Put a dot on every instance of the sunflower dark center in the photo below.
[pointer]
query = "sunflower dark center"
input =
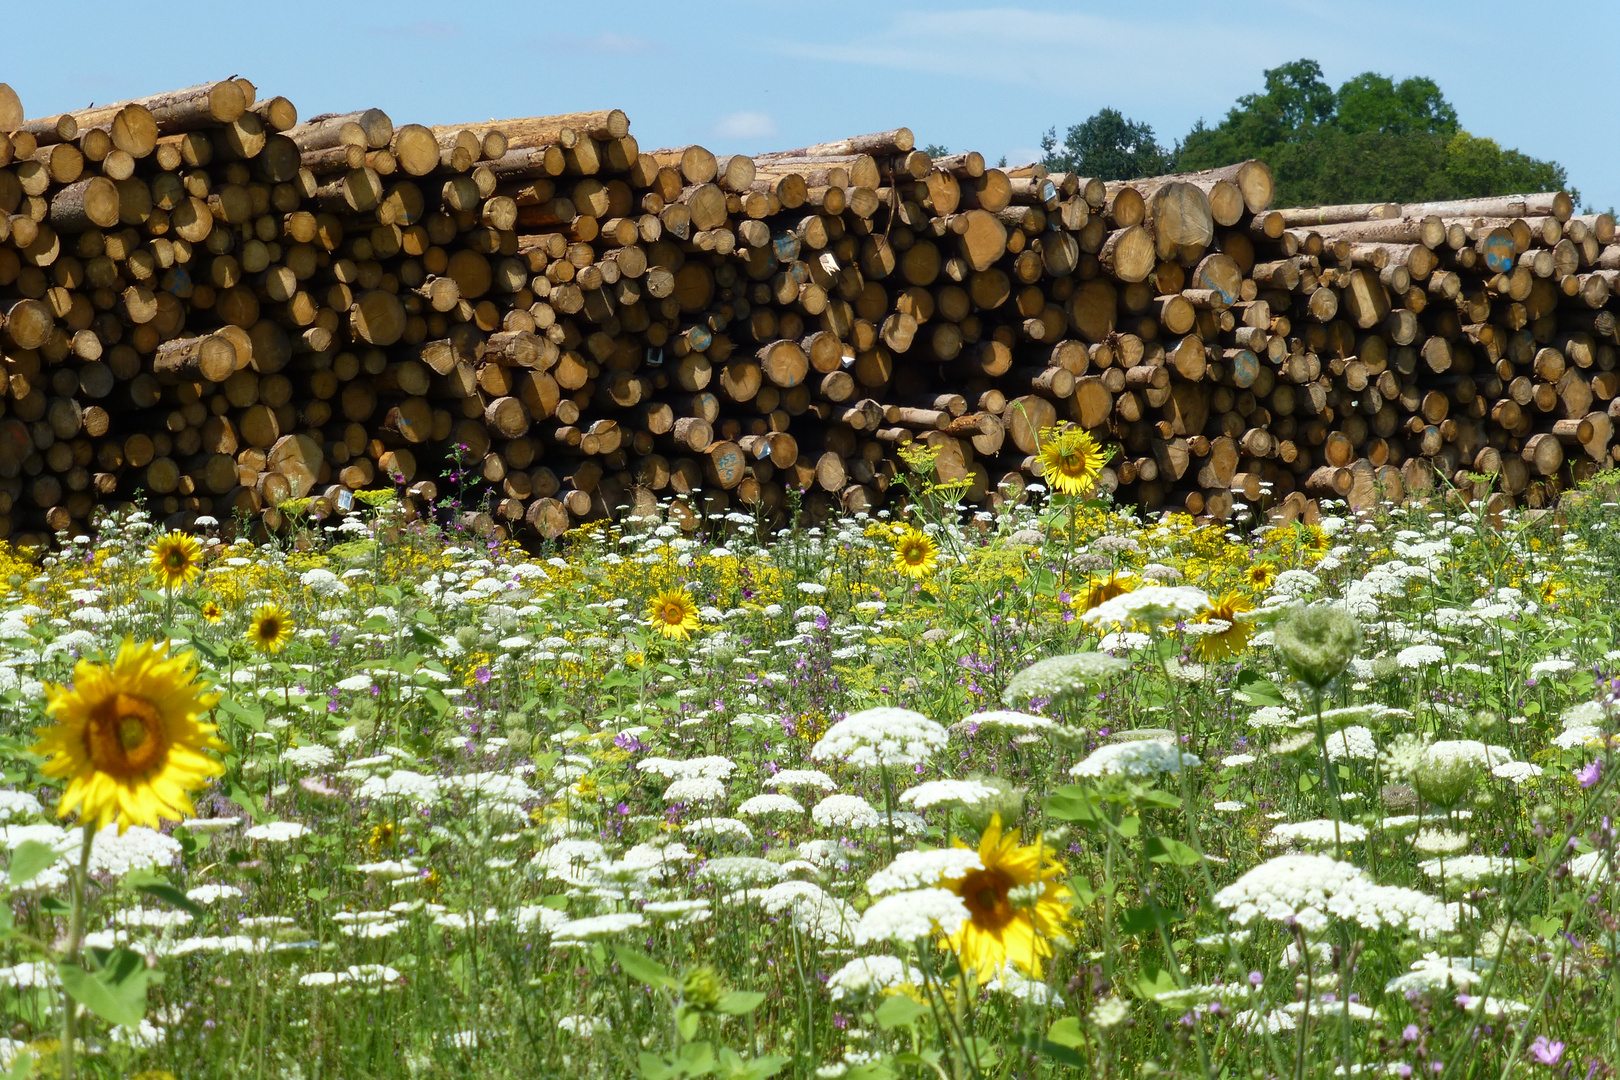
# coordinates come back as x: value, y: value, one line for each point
x: 125, y: 736
x: 985, y: 894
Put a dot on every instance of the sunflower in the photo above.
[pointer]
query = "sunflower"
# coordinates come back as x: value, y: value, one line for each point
x: 1100, y: 590
x: 1071, y: 460
x: 1235, y: 638
x: 128, y: 738
x: 673, y: 613
x: 176, y: 559
x: 270, y: 630
x: 1260, y: 575
x: 914, y: 553
x: 1017, y: 907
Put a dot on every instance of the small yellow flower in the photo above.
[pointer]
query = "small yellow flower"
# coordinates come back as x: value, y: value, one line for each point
x: 1260, y: 575
x: 1018, y: 908
x: 384, y: 835
x: 176, y: 559
x: 128, y: 738
x: 212, y: 612
x: 1071, y: 460
x: 673, y: 613
x: 1235, y: 638
x: 915, y: 553
x: 270, y: 630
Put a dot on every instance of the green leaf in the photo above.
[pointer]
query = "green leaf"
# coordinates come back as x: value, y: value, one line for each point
x: 1546, y: 927
x: 173, y: 897
x: 1148, y: 917
x: 696, y: 1059
x: 1162, y: 849
x: 1154, y: 981
x: 740, y: 1002
x: 1066, y: 1032
x: 643, y: 968
x: 426, y: 638
x: 1260, y: 690
x: 653, y: 1067
x: 1156, y: 798
x: 1076, y: 804
x: 117, y: 993
x: 29, y: 859
x: 22, y: 1066
x: 898, y: 1011
x: 1059, y: 1053
x: 1129, y: 827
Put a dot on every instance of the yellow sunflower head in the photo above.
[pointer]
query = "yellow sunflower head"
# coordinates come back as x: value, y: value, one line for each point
x: 212, y: 612
x: 1018, y: 909
x: 673, y: 613
x: 1071, y: 460
x: 176, y: 559
x: 915, y: 553
x: 270, y: 629
x: 1260, y: 575
x: 128, y: 738
x: 1101, y: 590
x: 1235, y: 638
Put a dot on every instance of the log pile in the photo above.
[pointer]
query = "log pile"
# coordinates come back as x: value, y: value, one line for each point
x: 210, y: 306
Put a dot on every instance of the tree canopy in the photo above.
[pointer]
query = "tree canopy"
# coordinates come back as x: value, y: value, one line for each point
x: 1373, y: 139
x: 1107, y: 146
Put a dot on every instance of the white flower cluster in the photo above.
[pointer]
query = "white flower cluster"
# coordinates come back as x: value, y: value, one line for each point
x: 1310, y: 888
x: 907, y: 916
x: 872, y: 975
x: 1140, y: 757
x: 881, y: 737
x: 918, y: 869
x: 935, y: 792
x: 850, y: 811
x: 1317, y: 833
x: 1151, y: 605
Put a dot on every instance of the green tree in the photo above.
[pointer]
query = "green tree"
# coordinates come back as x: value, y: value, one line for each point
x: 1373, y: 139
x: 1107, y: 146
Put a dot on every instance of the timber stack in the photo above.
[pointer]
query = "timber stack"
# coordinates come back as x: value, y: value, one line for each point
x: 213, y: 307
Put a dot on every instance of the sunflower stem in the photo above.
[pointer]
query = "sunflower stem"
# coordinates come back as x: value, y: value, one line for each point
x: 70, y: 1007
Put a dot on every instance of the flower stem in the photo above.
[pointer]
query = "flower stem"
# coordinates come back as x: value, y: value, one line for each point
x: 70, y: 1007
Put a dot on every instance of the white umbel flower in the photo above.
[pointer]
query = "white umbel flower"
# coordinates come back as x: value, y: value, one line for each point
x: 1419, y: 656
x: 770, y: 803
x: 907, y: 916
x: 1141, y: 757
x: 881, y: 737
x: 1152, y: 605
x: 872, y: 975
x: 1317, y: 833
x: 919, y: 869
x: 842, y: 810
x: 935, y: 792
x: 1309, y: 888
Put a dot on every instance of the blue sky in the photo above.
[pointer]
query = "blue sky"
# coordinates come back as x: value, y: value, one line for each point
x: 771, y: 74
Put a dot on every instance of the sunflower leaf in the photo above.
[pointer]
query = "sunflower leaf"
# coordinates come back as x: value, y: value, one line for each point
x: 643, y: 968
x: 898, y: 1011
x: 29, y: 860
x: 172, y: 896
x: 117, y: 993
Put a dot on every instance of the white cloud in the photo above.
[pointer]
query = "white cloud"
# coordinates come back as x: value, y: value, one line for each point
x: 745, y: 125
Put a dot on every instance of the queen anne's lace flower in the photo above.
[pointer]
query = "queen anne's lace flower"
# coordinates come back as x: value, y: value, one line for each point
x: 1058, y: 678
x: 850, y: 811
x: 907, y: 916
x: 871, y: 975
x: 789, y: 778
x: 1141, y: 757
x: 1151, y: 605
x: 934, y: 792
x: 881, y: 737
x: 770, y: 803
x: 1309, y: 888
x: 598, y: 926
x: 918, y: 869
x: 1316, y: 833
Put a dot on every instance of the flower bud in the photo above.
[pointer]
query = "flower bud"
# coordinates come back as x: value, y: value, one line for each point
x: 1317, y: 642
x: 701, y: 988
x: 1443, y: 780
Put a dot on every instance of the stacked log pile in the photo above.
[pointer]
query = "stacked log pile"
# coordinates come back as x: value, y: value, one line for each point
x: 210, y: 306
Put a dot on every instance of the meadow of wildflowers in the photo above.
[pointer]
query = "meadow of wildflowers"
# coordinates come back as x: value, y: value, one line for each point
x: 1049, y: 792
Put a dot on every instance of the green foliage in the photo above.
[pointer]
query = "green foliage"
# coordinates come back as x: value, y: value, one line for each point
x: 1108, y: 146
x: 1372, y: 140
